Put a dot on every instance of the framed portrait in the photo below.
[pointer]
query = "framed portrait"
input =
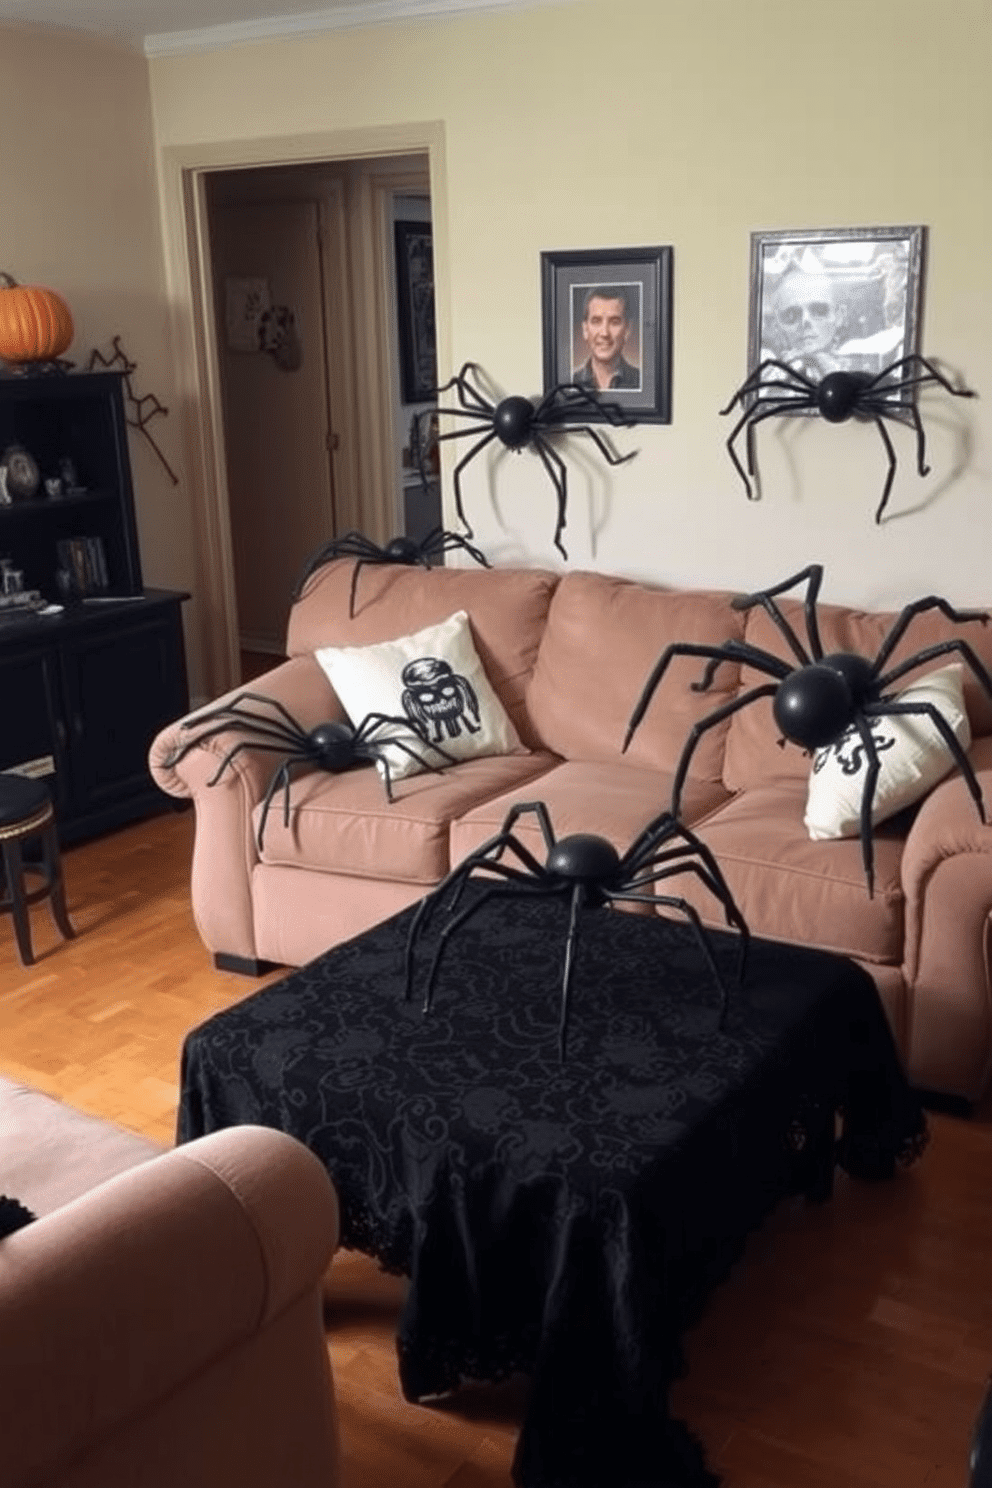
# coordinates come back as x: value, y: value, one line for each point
x: 607, y: 326
x: 835, y: 299
x: 415, y: 309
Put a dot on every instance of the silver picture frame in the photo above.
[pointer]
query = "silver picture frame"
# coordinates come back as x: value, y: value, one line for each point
x: 836, y: 299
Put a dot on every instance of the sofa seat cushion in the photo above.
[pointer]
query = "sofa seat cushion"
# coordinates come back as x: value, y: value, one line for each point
x: 508, y: 608
x: 791, y: 888
x: 601, y: 642
x: 615, y: 801
x: 344, y: 823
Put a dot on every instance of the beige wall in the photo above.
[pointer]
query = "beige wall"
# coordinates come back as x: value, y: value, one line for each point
x: 78, y: 213
x: 690, y: 122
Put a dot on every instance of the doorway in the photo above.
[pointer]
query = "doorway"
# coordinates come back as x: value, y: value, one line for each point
x: 312, y: 426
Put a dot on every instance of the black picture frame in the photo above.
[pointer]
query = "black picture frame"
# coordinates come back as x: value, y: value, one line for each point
x: 836, y: 299
x: 415, y: 310
x: 642, y: 277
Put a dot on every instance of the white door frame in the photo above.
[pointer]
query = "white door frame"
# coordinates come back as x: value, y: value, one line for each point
x: 182, y: 186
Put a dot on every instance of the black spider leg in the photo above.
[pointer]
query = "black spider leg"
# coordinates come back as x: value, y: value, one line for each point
x: 457, y: 878
x: 439, y: 541
x: 767, y: 689
x: 753, y: 383
x: 555, y: 466
x: 933, y: 373
x: 281, y: 776
x: 692, y: 915
x: 457, y: 474
x: 930, y: 710
x: 709, y: 874
x: 890, y: 451
x: 868, y: 799
x: 353, y: 590
x: 576, y: 900
x: 610, y: 455
x: 728, y: 651
x: 296, y: 730
x: 516, y: 883
x: 813, y: 575
x: 905, y: 619
x: 795, y: 401
x: 349, y: 545
x: 569, y: 396
x: 262, y: 728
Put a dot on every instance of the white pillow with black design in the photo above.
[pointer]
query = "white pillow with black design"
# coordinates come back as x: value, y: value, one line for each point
x: 912, y: 753
x: 435, y: 680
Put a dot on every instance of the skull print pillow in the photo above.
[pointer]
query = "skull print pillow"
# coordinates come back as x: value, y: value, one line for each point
x: 433, y: 680
x: 912, y: 757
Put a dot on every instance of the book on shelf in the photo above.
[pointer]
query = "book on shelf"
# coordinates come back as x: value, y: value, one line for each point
x: 85, y: 561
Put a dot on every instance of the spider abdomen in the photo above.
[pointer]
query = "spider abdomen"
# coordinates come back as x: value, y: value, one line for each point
x: 813, y: 705
x: 839, y: 393
x: 513, y: 421
x: 332, y: 745
x: 402, y: 549
x: 857, y: 672
x: 584, y: 857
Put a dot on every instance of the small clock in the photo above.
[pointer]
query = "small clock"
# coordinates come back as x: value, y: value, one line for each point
x: 20, y: 474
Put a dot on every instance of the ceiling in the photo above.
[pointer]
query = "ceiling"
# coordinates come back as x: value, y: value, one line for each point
x: 187, y: 25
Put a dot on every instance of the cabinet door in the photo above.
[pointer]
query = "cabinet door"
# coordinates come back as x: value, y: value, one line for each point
x: 122, y: 684
x: 32, y: 730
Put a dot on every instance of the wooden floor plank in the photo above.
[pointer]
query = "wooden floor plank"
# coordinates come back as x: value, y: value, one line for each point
x: 847, y: 1349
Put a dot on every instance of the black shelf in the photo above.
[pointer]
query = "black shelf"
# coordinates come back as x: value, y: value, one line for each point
x: 85, y: 688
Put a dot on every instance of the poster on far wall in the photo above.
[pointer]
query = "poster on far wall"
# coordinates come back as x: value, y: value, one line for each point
x: 246, y: 301
x: 415, y: 309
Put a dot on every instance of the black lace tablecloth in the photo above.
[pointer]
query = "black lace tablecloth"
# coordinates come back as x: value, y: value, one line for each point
x: 563, y: 1219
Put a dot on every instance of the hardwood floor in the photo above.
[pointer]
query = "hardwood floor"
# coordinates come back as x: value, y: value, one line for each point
x: 848, y: 1349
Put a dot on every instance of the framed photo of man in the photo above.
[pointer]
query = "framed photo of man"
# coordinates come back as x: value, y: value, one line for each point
x: 607, y: 329
x: 835, y: 299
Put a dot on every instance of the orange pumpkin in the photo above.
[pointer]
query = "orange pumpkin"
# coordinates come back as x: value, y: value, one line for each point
x: 35, y: 324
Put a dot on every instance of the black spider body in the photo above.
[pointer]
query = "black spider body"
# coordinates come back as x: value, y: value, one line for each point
x: 405, y: 551
x: 775, y: 388
x: 587, y: 872
x: 815, y: 703
x: 335, y: 745
x: 518, y: 423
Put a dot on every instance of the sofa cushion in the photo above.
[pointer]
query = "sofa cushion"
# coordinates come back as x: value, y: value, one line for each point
x: 602, y: 639
x: 753, y: 753
x: 912, y: 754
x: 615, y: 801
x: 344, y: 824
x: 507, y: 607
x: 435, y: 681
x: 791, y: 888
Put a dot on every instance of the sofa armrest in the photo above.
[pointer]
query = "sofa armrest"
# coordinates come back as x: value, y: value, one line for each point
x: 142, y: 1287
x: 224, y: 851
x: 947, y: 883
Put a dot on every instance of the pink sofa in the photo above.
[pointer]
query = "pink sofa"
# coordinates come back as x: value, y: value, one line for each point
x: 161, y: 1319
x: 568, y: 656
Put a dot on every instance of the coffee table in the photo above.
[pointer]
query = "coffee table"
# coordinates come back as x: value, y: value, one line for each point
x: 569, y: 1219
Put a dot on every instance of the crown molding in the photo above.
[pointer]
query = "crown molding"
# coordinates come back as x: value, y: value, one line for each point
x: 351, y: 14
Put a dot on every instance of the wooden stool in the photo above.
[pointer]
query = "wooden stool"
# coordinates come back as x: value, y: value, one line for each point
x: 26, y: 811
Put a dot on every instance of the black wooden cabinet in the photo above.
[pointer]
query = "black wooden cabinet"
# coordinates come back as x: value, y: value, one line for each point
x: 84, y: 691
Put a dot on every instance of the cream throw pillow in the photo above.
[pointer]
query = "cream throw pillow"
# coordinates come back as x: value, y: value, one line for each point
x: 435, y: 679
x: 912, y: 754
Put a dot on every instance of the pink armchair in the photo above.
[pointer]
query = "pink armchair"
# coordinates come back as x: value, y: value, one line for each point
x: 161, y: 1320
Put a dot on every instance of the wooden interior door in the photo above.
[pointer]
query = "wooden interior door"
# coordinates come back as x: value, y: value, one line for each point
x: 277, y: 423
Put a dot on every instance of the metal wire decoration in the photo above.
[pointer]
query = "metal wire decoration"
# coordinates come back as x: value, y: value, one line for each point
x: 142, y: 410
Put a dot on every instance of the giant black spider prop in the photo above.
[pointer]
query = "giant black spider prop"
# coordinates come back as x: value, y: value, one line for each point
x: 588, y: 872
x: 518, y: 422
x: 817, y: 702
x: 401, y: 550
x: 334, y: 746
x: 839, y: 397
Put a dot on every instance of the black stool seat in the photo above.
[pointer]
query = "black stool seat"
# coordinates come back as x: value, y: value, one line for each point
x: 26, y: 810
